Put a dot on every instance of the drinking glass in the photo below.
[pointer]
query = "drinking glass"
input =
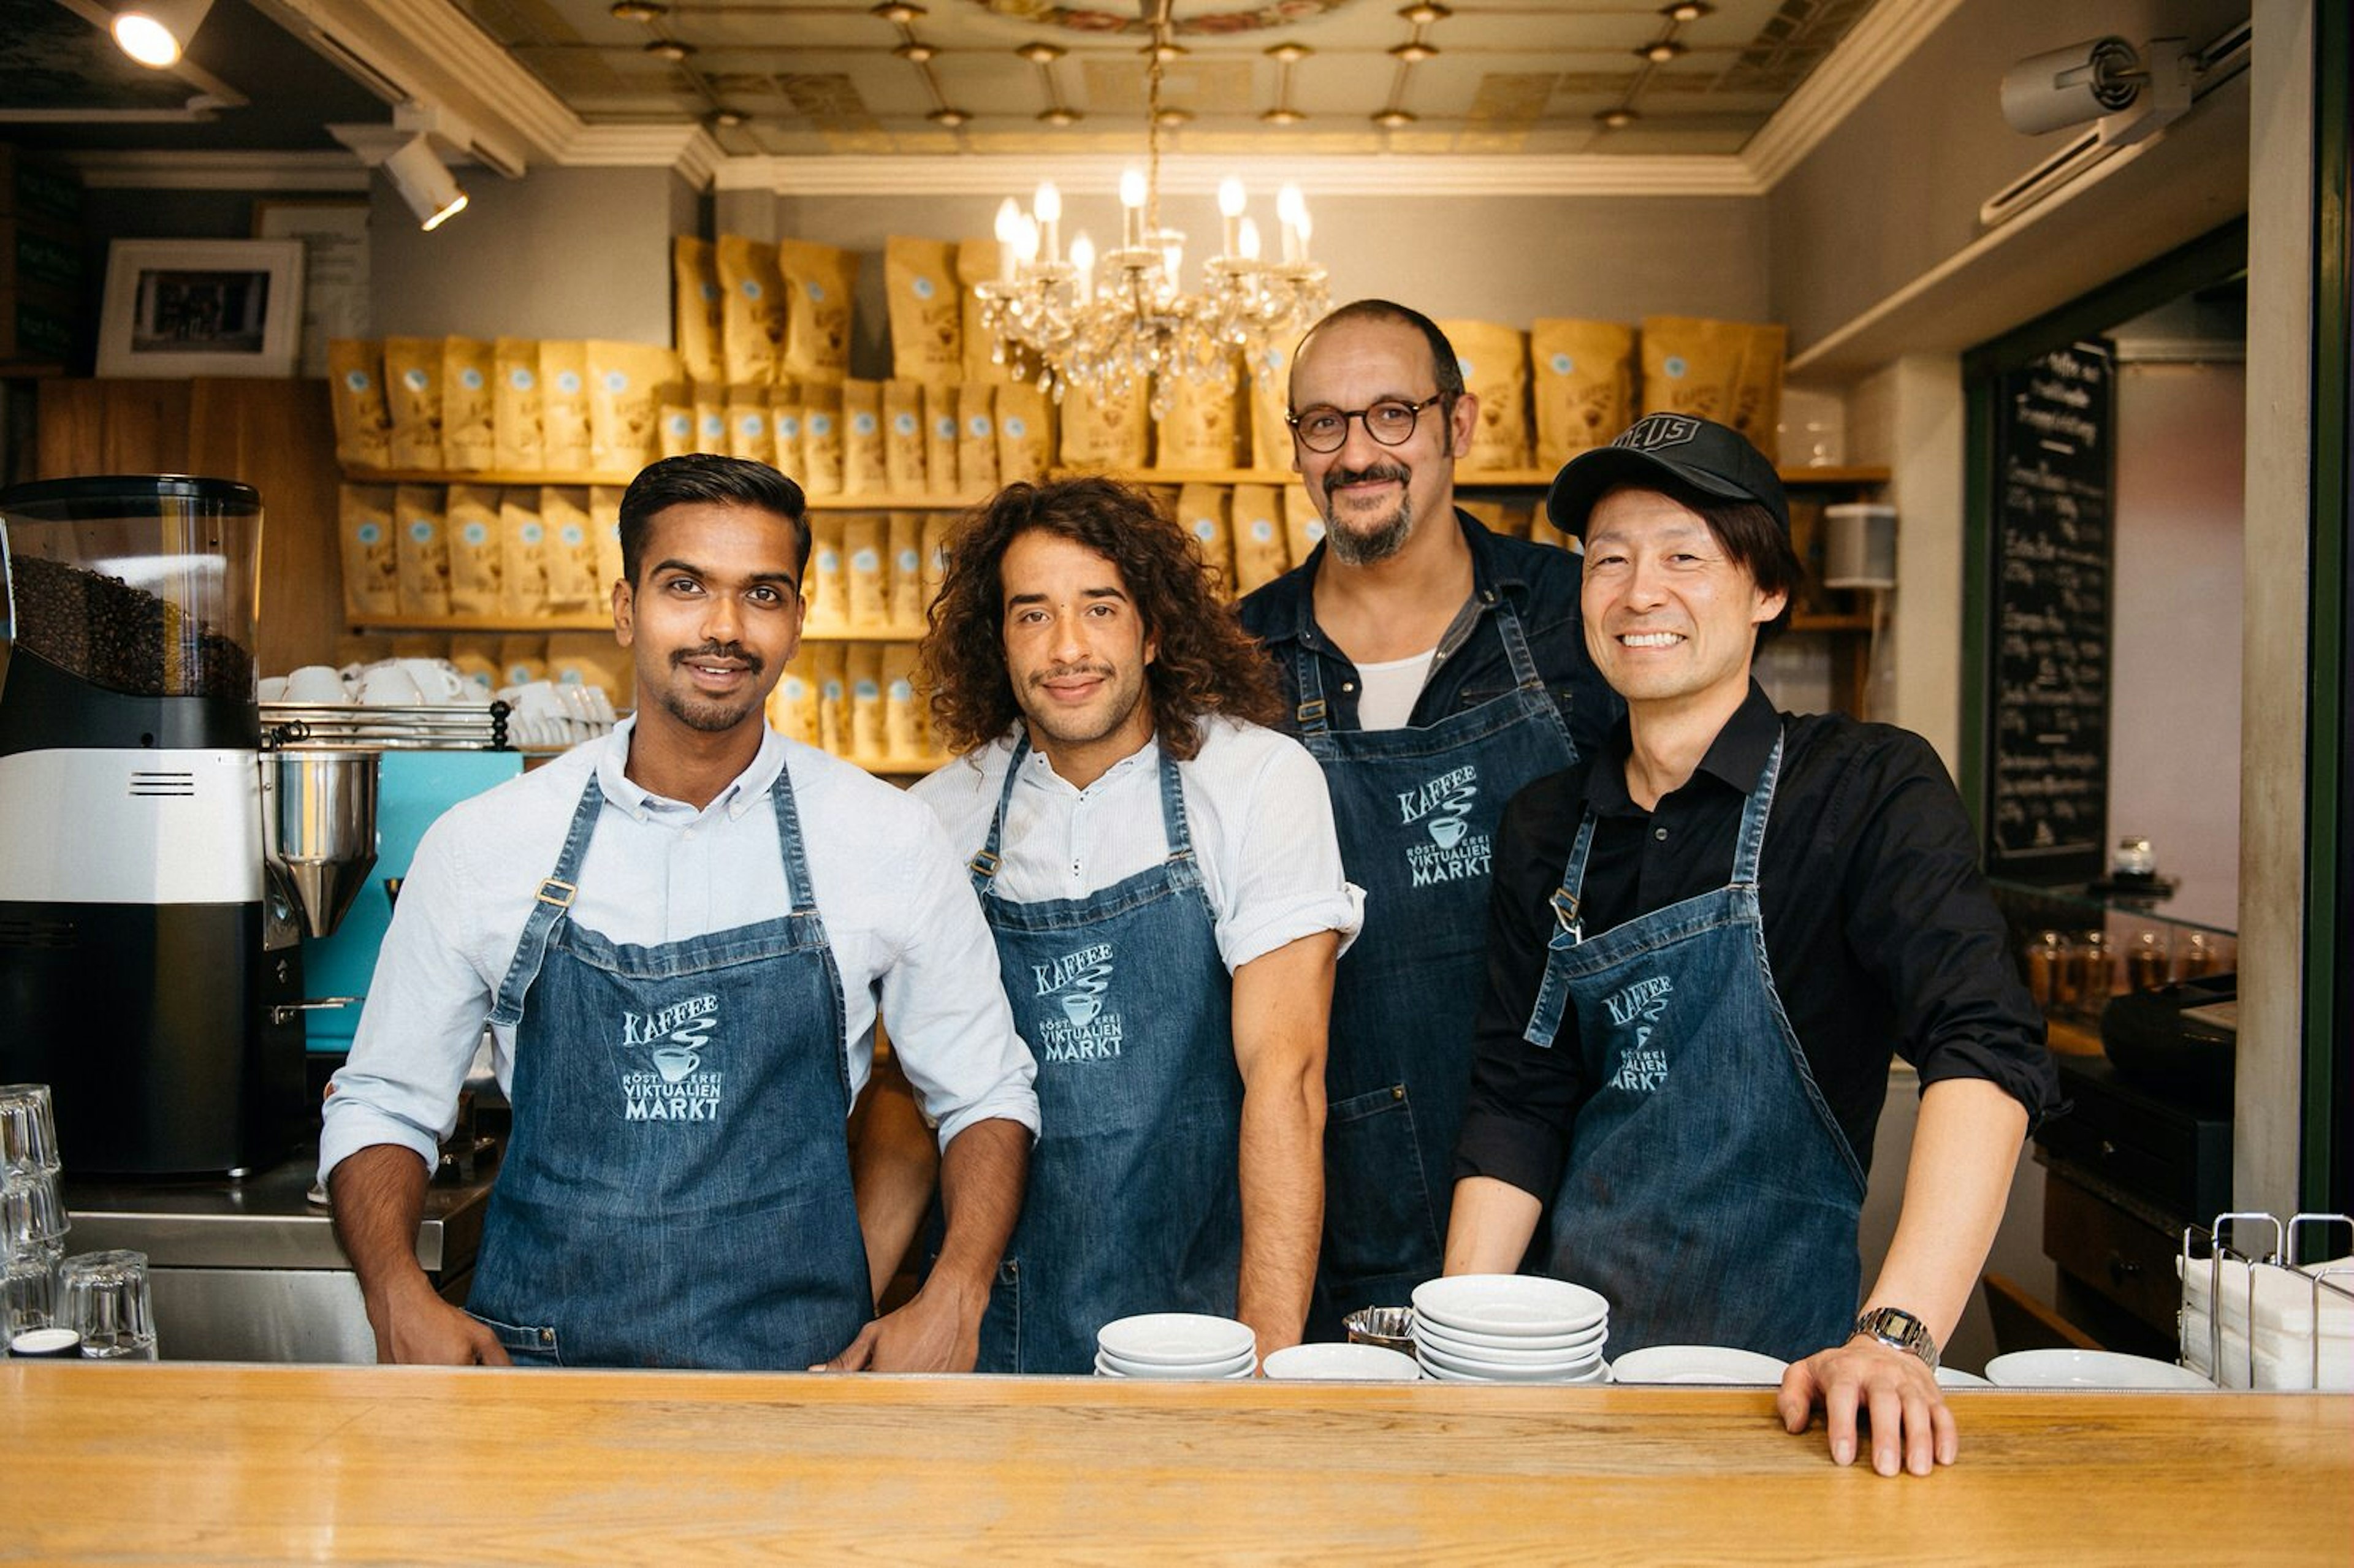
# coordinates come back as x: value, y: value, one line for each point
x: 29, y: 1299
x: 32, y: 1214
x: 28, y: 1129
x: 103, y: 1297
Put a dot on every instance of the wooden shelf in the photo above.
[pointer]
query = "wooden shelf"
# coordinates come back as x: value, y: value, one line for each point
x: 1857, y: 623
x: 599, y: 621
x: 520, y: 479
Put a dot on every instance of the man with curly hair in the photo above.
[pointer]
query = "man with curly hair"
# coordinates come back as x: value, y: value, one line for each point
x: 1163, y: 877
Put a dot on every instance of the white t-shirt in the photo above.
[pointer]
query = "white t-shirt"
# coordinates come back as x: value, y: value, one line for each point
x: 1386, y: 692
x: 899, y: 910
x: 1255, y: 804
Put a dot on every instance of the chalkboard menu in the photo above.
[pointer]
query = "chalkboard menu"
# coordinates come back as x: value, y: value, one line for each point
x: 2047, y: 751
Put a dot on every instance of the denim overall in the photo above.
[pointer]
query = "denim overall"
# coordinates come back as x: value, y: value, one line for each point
x: 1134, y: 1203
x: 677, y: 1190
x: 1416, y: 811
x: 1710, y: 1193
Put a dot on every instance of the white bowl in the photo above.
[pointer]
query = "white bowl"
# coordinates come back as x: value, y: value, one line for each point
x: 1340, y: 1363
x: 1511, y: 1303
x: 1176, y: 1338
x: 1559, y: 1371
x: 2090, y: 1368
x: 1439, y: 1370
x: 1698, y: 1364
x: 1508, y: 1348
x: 1241, y: 1365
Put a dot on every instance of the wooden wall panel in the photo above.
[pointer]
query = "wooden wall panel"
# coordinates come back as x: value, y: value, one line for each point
x: 277, y: 435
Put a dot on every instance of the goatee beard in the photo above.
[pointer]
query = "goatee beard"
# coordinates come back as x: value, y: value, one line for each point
x: 1380, y: 545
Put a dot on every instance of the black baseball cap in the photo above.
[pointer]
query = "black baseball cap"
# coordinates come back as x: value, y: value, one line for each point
x: 1685, y: 448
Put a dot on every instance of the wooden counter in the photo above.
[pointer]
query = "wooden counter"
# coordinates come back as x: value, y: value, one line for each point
x: 193, y: 1464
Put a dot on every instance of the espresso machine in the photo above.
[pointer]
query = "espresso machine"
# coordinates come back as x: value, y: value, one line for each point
x: 158, y: 866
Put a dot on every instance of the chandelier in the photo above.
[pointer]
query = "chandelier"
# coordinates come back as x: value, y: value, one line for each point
x: 1105, y: 323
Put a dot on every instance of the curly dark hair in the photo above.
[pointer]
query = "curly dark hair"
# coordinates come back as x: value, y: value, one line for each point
x: 1206, y: 664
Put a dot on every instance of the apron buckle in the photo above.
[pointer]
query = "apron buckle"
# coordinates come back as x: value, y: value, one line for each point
x: 1309, y: 713
x: 1565, y: 910
x: 986, y: 864
x: 557, y: 893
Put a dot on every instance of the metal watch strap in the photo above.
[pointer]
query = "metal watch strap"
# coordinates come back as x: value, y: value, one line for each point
x: 1895, y: 1327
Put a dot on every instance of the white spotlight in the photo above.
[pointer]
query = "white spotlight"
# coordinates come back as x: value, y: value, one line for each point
x: 425, y: 184
x: 156, y: 32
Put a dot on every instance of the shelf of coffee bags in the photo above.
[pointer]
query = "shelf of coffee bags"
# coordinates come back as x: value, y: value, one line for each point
x: 1465, y: 478
x: 842, y: 500
x: 602, y: 620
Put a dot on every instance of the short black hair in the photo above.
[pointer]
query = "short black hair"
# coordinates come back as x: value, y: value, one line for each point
x: 702, y: 476
x: 1445, y: 368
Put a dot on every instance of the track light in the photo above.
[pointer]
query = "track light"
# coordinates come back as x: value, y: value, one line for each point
x: 418, y: 173
x: 156, y: 32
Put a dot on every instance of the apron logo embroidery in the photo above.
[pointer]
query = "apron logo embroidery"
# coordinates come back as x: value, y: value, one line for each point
x: 1440, y: 805
x: 677, y: 1087
x: 1077, y: 981
x: 1642, y: 1070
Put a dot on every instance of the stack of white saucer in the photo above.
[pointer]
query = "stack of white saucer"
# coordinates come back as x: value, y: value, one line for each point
x: 1176, y: 1346
x: 1511, y: 1328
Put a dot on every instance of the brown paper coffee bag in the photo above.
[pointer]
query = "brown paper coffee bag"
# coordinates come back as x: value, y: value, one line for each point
x: 1691, y: 365
x: 1495, y: 365
x: 468, y: 394
x: 564, y: 407
x: 695, y: 325
x: 1199, y: 431
x: 1268, y: 392
x: 476, y: 555
x: 605, y: 532
x: 1303, y: 525
x: 476, y: 657
x: 751, y: 432
x: 592, y: 659
x: 976, y: 439
x: 1025, y: 432
x: 363, y: 419
x: 1256, y: 517
x: 785, y: 424
x: 793, y: 706
x: 751, y: 312
x: 523, y: 659
x: 524, y: 555
x: 903, y: 735
x: 625, y: 381
x: 1111, y: 430
x: 903, y: 437
x: 1202, y: 512
x: 905, y: 545
x: 940, y: 431
x: 423, y: 551
x: 864, y: 468
x: 829, y: 669
x: 1757, y: 390
x: 365, y: 536
x: 819, y: 280
x: 575, y: 585
x: 939, y: 537
x: 1582, y: 379
x: 828, y: 578
x: 518, y: 407
x: 864, y: 667
x: 821, y: 442
x: 919, y: 281
x: 977, y: 262
x: 412, y: 390
x: 864, y: 537
x: 677, y: 430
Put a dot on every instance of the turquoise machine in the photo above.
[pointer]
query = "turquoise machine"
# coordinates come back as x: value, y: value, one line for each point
x: 416, y: 787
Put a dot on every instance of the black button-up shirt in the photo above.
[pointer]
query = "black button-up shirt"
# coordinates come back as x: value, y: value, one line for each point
x: 1880, y: 929
x: 1539, y: 581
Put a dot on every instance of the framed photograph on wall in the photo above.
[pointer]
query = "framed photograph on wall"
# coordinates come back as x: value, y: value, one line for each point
x: 201, y: 307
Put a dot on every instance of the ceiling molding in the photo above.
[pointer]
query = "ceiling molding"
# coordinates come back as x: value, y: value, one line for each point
x: 686, y: 148
x: 176, y: 171
x: 1370, y: 174
x: 1873, y: 48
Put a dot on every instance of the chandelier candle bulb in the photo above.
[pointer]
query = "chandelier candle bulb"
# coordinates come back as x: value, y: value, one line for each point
x: 1048, y: 207
x: 1292, y: 208
x: 1248, y: 241
x: 1131, y: 206
x: 1231, y: 201
x: 1083, y: 258
x: 1009, y: 235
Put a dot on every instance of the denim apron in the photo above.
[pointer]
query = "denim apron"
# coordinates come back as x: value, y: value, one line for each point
x: 1710, y: 1193
x: 1134, y: 1203
x: 677, y: 1189
x: 1416, y: 811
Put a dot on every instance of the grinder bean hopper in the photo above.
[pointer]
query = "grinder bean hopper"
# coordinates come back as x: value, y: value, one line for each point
x: 150, y: 965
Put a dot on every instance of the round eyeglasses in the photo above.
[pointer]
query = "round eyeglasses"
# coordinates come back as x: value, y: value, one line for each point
x: 1390, y: 422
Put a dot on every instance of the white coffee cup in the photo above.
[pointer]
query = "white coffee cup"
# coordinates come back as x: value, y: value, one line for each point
x: 438, y: 680
x: 316, y: 684
x: 270, y: 689
x: 389, y: 686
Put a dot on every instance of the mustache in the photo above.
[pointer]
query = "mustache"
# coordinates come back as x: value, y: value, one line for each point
x: 1064, y: 672
x: 733, y: 653
x: 1390, y: 472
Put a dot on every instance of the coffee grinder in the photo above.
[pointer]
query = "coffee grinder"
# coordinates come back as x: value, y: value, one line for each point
x: 150, y: 958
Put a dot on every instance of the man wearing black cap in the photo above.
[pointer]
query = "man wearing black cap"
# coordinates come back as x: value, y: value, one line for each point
x: 1702, y: 945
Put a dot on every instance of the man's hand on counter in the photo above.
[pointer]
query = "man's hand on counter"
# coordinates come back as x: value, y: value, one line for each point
x: 937, y: 1331
x: 1892, y: 1390
x: 419, y: 1329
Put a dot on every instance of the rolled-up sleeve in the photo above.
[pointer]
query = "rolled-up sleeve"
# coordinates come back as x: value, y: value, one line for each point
x: 1280, y: 875
x: 950, y: 1028
x: 423, y: 1021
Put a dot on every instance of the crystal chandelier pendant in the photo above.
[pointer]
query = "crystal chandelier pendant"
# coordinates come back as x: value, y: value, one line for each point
x: 1122, y: 323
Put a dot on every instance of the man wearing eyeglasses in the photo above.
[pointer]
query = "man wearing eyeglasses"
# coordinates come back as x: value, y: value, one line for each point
x: 1432, y: 668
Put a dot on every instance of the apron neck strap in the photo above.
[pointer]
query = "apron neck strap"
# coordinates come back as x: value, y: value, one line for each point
x: 984, y: 865
x: 1516, y: 645
x: 1760, y: 805
x: 552, y: 902
x: 790, y: 843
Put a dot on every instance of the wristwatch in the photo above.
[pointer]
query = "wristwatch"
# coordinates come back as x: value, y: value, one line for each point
x: 1896, y: 1326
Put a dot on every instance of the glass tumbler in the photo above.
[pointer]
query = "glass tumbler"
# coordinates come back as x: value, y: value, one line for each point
x: 30, y: 1298
x: 103, y: 1297
x: 28, y: 1130
x: 32, y: 1214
